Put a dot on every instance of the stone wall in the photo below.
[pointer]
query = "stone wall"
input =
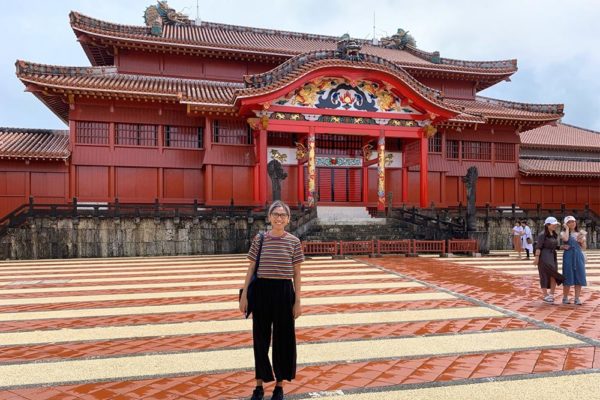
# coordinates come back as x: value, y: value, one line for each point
x: 47, y: 237
x: 500, y: 232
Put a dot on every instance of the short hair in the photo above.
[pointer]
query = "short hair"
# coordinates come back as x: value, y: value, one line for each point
x: 277, y: 204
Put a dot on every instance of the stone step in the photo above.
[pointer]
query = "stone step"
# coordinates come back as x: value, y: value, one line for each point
x: 346, y: 216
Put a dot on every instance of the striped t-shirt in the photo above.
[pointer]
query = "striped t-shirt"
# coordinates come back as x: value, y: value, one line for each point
x: 278, y: 255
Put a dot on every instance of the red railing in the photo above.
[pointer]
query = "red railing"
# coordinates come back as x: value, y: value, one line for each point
x: 363, y: 247
x: 463, y: 246
x: 394, y: 246
x: 323, y: 248
x: 429, y: 246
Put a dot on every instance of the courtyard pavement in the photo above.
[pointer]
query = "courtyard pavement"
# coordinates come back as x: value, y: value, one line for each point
x: 373, y: 328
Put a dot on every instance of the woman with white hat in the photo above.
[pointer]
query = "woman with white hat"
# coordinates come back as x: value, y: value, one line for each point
x: 546, y: 259
x: 573, y: 259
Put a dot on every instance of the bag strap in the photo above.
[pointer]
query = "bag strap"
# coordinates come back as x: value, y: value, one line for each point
x: 262, y: 238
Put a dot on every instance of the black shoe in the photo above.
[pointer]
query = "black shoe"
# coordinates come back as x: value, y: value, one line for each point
x: 277, y: 393
x: 258, y: 393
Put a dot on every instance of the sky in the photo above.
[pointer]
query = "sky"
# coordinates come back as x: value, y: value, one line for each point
x: 556, y: 42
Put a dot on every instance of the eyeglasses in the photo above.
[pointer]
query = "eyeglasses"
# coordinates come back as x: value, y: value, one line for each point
x: 279, y: 215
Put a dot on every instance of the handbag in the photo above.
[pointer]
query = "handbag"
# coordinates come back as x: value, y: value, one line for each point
x: 250, y: 290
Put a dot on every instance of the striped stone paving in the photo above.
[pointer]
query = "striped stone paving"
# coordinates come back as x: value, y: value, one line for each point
x: 169, y: 328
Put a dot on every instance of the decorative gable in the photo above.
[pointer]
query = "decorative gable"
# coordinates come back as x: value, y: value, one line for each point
x: 342, y: 94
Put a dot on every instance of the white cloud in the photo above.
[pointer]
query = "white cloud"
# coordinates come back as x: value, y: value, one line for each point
x: 554, y: 41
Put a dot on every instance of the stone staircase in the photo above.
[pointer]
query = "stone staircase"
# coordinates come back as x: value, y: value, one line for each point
x: 355, y: 223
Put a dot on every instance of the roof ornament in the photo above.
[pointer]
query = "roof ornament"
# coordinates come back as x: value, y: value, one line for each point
x: 399, y: 40
x: 159, y: 15
x: 348, y: 49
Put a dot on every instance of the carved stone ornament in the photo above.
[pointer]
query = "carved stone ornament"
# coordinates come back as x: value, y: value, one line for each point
x: 348, y: 48
x: 399, y: 40
x: 276, y: 155
x: 429, y: 130
x: 161, y: 14
x: 301, y: 151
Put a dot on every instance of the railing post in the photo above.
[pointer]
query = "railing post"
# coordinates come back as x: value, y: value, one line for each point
x: 117, y: 208
x: 30, y: 204
x: 586, y: 212
x: 513, y: 210
x: 562, y: 210
x: 195, y: 213
x: 74, y: 206
x: 156, y: 209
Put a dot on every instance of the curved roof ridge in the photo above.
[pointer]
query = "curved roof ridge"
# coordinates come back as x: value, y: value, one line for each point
x: 5, y: 129
x: 435, y: 58
x: 301, y: 35
x: 28, y: 67
x: 579, y: 127
x: 539, y: 107
x: 78, y: 19
x: 270, y: 79
x: 297, y: 62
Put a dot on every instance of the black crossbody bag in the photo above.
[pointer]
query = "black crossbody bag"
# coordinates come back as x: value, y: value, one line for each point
x: 250, y: 290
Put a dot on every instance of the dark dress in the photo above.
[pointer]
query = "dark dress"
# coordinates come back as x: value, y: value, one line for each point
x: 548, y: 261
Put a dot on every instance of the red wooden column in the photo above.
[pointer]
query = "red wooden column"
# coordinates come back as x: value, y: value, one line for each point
x: 262, y: 166
x: 300, y: 177
x: 208, y: 170
x: 424, y: 171
x: 311, y: 167
x: 72, y: 169
x: 381, y: 171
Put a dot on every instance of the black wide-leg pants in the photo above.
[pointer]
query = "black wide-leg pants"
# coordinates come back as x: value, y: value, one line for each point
x: 273, y: 312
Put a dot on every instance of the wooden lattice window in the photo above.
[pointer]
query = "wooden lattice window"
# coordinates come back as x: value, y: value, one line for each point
x: 339, y: 145
x: 284, y: 139
x: 136, y: 135
x: 91, y: 132
x: 452, y: 147
x: 231, y: 132
x: 476, y: 150
x: 184, y: 137
x: 504, y: 151
x: 435, y: 143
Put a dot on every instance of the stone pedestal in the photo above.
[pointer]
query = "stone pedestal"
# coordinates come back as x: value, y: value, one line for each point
x: 482, y: 238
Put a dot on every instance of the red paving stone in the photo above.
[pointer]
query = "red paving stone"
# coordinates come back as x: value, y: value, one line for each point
x: 519, y: 294
x: 49, y: 352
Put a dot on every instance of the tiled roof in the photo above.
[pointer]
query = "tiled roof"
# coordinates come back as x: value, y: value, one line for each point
x: 493, y: 109
x: 563, y: 136
x: 270, y: 42
x: 106, y: 82
x: 568, y: 168
x: 40, y: 144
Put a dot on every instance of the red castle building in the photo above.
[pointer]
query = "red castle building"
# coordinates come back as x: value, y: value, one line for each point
x: 178, y: 111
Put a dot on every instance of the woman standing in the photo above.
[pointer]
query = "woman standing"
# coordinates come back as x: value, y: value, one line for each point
x: 546, y: 259
x: 527, y: 238
x: 276, y: 301
x: 517, y: 234
x: 573, y: 260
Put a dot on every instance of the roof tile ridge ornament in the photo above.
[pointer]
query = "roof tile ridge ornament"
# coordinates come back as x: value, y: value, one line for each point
x: 31, y: 68
x: 348, y: 49
x: 541, y: 108
x: 156, y: 17
x: 83, y: 21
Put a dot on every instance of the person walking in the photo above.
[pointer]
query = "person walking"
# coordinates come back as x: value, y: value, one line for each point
x: 517, y: 234
x: 275, y: 300
x: 574, y: 243
x: 527, y: 238
x: 546, y: 259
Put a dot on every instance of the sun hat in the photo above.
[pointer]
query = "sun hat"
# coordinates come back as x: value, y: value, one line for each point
x: 569, y: 218
x: 550, y: 221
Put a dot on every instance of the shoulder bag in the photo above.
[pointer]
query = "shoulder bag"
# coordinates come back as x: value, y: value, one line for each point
x: 250, y: 290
